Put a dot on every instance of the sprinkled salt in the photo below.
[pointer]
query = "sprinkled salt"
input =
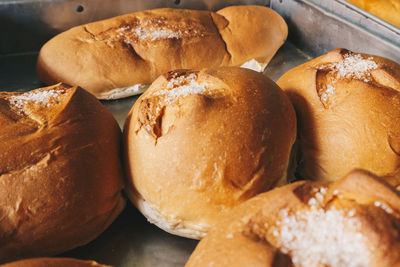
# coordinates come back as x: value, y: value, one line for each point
x: 155, y: 34
x: 125, y: 28
x: 312, y: 202
x: 351, y: 213
x: 318, y: 198
x: 42, y: 98
x: 275, y: 232
x: 330, y: 91
x: 318, y: 237
x: 323, y: 190
x: 157, y: 29
x: 180, y: 87
x: 352, y: 66
x: 381, y: 205
x: 229, y: 236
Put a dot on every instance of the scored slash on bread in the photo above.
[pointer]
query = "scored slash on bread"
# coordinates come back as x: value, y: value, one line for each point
x: 118, y: 57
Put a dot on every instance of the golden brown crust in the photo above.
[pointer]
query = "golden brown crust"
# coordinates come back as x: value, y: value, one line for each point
x: 60, y: 173
x: 243, y: 40
x: 388, y: 10
x: 190, y: 158
x: 53, y: 262
x: 259, y: 231
x: 136, y: 48
x: 348, y: 119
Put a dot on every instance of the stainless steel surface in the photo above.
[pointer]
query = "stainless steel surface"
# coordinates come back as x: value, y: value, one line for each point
x: 131, y: 241
x: 31, y: 23
x: 315, y: 28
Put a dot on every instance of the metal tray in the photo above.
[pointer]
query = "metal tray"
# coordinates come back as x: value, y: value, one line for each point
x: 315, y: 27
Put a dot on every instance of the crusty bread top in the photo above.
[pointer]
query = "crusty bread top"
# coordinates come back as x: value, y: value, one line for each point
x: 60, y: 171
x: 348, y: 105
x: 199, y: 142
x: 352, y: 222
x: 136, y: 48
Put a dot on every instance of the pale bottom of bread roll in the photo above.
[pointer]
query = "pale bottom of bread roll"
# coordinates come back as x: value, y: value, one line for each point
x: 122, y: 92
x: 174, y: 225
x: 253, y: 64
x: 137, y: 89
x: 170, y: 224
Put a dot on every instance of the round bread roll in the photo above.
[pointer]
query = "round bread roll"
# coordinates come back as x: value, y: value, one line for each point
x: 60, y: 171
x: 121, y: 56
x: 53, y: 262
x: 198, y: 143
x: 351, y: 222
x: 388, y: 10
x: 348, y: 108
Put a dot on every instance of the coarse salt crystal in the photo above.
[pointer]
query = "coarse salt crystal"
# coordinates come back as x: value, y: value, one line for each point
x: 43, y: 98
x: 312, y: 202
x: 319, y: 237
x: 351, y: 213
x: 330, y: 91
x: 352, y: 66
x: 319, y: 197
x: 155, y: 34
x: 322, y: 190
x: 381, y: 205
x: 156, y: 29
x: 181, y: 86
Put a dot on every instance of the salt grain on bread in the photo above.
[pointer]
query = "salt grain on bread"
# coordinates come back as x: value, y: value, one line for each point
x: 121, y: 56
x: 53, y: 262
x: 198, y: 143
x: 60, y: 171
x: 348, y: 107
x: 309, y: 224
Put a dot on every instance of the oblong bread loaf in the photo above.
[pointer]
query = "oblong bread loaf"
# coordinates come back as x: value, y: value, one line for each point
x: 118, y: 57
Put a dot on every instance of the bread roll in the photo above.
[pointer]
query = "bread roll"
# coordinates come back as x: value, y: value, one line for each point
x: 198, y: 143
x: 388, y: 10
x: 348, y: 107
x: 53, y: 262
x: 60, y: 171
x: 119, y: 57
x: 351, y: 222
